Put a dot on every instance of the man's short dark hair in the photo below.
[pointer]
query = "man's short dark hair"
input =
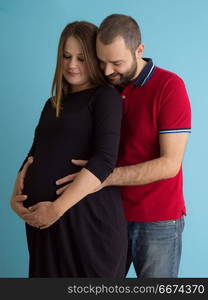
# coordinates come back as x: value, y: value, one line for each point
x: 120, y: 25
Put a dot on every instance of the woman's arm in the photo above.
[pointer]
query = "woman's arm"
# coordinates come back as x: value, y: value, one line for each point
x: 107, y: 110
x: 83, y: 185
x: 17, y: 199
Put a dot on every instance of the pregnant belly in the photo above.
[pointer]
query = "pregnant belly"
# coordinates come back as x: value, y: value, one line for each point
x: 40, y: 180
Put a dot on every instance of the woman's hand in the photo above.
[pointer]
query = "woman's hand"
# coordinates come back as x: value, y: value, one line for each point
x: 43, y: 214
x: 23, y: 174
x: 17, y: 198
x: 17, y: 206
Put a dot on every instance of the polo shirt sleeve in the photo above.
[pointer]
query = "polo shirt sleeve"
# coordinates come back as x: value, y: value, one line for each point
x: 175, y: 109
x: 107, y: 115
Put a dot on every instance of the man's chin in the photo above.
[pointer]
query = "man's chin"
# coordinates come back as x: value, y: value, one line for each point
x: 114, y: 81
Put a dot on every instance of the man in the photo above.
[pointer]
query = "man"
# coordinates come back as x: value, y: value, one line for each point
x: 155, y: 128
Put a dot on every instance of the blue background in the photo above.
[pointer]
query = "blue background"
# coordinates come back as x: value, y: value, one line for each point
x: 175, y: 36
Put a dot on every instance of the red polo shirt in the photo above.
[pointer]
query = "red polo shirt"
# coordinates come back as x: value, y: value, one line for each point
x: 156, y: 103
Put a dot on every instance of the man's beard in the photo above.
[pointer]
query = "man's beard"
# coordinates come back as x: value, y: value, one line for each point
x: 124, y: 79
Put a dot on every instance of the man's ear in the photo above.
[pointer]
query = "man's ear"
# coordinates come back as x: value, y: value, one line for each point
x: 139, y: 51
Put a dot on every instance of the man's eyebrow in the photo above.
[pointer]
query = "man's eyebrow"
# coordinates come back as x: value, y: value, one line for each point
x: 111, y: 61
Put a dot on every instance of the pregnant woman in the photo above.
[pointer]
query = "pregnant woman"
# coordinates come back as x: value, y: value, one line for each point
x: 80, y: 233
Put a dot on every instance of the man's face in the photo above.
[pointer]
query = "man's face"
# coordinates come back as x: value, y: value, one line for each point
x: 116, y: 61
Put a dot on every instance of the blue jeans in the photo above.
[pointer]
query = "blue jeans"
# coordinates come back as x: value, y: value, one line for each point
x: 155, y: 248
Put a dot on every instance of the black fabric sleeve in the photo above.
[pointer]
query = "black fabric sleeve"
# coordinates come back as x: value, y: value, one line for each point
x: 107, y: 115
x: 31, y: 152
x: 32, y: 149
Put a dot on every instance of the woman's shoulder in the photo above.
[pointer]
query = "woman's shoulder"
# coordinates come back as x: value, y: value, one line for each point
x: 107, y: 92
x: 49, y: 103
x: 106, y: 98
x: 107, y: 89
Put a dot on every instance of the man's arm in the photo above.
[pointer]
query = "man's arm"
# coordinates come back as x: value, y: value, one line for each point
x: 172, y: 149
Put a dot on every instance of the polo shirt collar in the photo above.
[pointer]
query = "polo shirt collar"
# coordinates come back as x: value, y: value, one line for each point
x: 146, y: 73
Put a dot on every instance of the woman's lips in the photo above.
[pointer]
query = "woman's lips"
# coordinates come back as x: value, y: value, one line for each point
x: 73, y: 73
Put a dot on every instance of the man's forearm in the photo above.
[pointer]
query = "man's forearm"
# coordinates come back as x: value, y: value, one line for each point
x: 143, y: 173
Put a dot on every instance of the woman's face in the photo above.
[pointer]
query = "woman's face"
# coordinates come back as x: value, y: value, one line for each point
x: 74, y: 66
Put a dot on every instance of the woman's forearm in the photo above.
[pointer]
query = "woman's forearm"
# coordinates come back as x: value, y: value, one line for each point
x: 84, y: 184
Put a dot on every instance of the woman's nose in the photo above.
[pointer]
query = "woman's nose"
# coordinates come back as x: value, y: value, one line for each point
x: 72, y: 63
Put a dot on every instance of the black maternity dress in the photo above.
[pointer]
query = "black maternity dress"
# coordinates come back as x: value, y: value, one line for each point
x: 90, y: 239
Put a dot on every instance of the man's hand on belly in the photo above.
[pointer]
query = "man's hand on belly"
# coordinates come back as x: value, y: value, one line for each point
x: 43, y: 215
x: 69, y: 178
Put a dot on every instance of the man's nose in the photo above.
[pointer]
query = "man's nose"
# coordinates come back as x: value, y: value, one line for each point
x: 108, y: 70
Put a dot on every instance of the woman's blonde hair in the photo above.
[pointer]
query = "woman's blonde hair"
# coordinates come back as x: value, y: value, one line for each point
x: 85, y: 33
